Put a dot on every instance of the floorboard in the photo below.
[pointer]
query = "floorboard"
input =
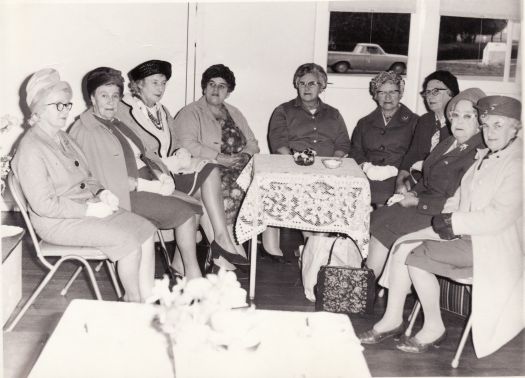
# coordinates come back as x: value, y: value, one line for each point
x: 278, y: 288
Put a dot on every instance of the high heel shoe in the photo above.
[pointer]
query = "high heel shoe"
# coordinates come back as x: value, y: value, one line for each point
x: 233, y: 258
x: 412, y: 345
x: 374, y: 337
x: 274, y: 258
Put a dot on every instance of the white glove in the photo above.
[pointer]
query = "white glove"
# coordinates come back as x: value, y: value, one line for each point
x: 152, y: 186
x: 379, y: 173
x: 98, y: 210
x: 167, y: 186
x: 109, y: 199
x: 417, y: 166
x: 183, y: 153
x: 176, y: 163
x: 395, y: 199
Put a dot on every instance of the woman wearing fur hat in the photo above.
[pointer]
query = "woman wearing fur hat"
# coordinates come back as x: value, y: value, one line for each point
x: 479, y: 234
x: 152, y: 123
x: 67, y: 205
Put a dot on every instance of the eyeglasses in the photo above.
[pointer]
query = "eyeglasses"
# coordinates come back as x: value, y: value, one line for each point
x: 390, y: 93
x: 433, y: 92
x: 308, y: 85
x: 463, y: 116
x: 60, y: 106
x: 220, y: 86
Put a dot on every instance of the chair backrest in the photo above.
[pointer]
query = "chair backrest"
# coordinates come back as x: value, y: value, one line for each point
x: 21, y: 202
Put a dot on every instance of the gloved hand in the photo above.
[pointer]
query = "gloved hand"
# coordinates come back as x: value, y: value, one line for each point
x: 442, y: 225
x: 152, y: 186
x: 379, y: 173
x: 395, y: 199
x: 183, y: 153
x: 176, y: 163
x: 109, y: 199
x: 417, y: 166
x: 167, y: 186
x: 98, y: 210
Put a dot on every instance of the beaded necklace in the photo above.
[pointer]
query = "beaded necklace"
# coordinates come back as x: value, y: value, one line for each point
x: 157, y: 122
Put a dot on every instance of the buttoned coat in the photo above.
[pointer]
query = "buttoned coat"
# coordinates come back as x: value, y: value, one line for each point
x: 373, y: 141
x: 197, y: 130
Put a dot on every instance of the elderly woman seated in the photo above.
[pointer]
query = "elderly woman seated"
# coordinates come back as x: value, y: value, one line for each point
x: 211, y: 128
x: 67, y: 206
x: 442, y: 173
x: 306, y: 122
x: 478, y: 235
x: 111, y: 152
x: 381, y: 139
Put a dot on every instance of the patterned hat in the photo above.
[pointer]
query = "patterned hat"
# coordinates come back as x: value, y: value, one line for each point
x: 499, y: 105
x: 151, y: 67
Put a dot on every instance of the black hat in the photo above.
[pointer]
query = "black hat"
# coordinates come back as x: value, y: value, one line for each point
x: 446, y: 78
x: 102, y: 76
x: 151, y: 67
x: 499, y: 105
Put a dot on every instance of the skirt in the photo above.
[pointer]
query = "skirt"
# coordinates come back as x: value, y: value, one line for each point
x: 165, y: 212
x: 452, y: 258
x: 389, y: 223
x: 117, y: 235
x: 189, y: 183
x: 381, y: 191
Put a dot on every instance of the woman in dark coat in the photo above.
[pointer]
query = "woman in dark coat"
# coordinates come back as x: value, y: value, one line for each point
x: 442, y: 173
x: 381, y: 139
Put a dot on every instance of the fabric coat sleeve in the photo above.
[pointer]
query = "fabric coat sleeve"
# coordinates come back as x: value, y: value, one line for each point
x: 414, y: 152
x: 342, y: 141
x: 187, y: 128
x: 503, y: 210
x: 356, y: 145
x: 39, y: 190
x: 278, y: 135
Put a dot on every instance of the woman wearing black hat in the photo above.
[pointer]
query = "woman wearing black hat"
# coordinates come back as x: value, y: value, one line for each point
x: 478, y: 235
x: 152, y: 123
x: 118, y: 159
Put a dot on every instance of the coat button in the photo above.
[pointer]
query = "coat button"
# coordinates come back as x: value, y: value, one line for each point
x: 425, y: 207
x: 82, y: 186
x: 315, y: 140
x: 381, y: 148
x: 382, y: 132
x: 315, y: 128
x: 446, y: 162
x: 77, y: 163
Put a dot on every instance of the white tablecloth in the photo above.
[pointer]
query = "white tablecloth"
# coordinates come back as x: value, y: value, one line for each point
x: 283, y: 194
x: 115, y: 339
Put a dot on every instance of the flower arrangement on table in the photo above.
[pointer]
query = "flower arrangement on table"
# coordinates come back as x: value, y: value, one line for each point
x: 7, y: 123
x: 304, y: 157
x: 206, y: 312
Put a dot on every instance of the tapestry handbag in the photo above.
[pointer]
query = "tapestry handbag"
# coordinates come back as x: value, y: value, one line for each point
x: 344, y: 289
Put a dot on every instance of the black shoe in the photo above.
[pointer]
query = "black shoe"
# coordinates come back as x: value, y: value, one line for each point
x: 274, y: 258
x: 232, y: 258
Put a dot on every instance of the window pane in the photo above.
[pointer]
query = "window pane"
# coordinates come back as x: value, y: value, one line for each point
x: 368, y: 42
x: 476, y: 47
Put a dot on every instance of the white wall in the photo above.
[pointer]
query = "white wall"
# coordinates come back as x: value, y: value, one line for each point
x: 263, y: 44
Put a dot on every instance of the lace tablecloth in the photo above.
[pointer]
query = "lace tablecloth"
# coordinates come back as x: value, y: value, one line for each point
x: 283, y: 194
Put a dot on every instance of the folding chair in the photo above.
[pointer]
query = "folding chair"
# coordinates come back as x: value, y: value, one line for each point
x: 64, y: 253
x: 417, y: 307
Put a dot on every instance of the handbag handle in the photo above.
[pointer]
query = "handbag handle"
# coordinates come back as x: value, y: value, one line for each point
x: 332, y: 250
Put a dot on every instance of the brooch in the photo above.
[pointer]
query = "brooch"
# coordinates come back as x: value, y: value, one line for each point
x: 463, y: 146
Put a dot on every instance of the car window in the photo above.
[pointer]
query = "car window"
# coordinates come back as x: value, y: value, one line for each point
x: 373, y: 50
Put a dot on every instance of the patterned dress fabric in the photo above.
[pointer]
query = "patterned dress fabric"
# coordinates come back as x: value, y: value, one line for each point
x: 233, y: 142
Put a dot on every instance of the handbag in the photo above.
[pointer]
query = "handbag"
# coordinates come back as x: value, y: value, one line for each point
x: 315, y: 253
x: 344, y: 289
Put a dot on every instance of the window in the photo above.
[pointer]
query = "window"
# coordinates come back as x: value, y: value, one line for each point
x: 478, y: 47
x: 367, y: 42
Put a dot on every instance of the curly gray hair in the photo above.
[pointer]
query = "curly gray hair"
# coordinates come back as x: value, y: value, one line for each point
x: 386, y: 77
x: 313, y: 69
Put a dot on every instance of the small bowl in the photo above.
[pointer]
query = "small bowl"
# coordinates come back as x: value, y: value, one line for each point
x: 332, y: 163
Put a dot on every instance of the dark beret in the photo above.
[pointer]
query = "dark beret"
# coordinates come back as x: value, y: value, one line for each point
x: 151, y: 67
x: 499, y: 105
x: 104, y: 76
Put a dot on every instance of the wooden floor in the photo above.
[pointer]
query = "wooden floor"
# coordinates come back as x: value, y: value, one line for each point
x: 278, y: 287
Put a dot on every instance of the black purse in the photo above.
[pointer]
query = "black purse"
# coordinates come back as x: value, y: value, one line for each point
x: 343, y: 289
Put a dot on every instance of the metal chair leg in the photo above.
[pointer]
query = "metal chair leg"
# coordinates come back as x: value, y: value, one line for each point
x: 99, y: 266
x: 71, y: 280
x: 113, y: 275
x: 92, y: 278
x: 163, y: 248
x: 464, y: 336
x: 412, y: 318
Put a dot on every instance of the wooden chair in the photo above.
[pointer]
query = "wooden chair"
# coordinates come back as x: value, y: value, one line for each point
x: 417, y: 307
x: 45, y: 250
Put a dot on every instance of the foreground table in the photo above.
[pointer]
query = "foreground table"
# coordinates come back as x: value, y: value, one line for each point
x: 281, y: 193
x: 116, y: 339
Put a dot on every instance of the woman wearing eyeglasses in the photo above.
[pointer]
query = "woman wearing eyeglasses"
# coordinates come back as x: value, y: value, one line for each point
x: 442, y: 173
x: 381, y: 139
x: 211, y: 128
x: 438, y: 88
x: 305, y: 122
x: 478, y: 235
x: 67, y: 206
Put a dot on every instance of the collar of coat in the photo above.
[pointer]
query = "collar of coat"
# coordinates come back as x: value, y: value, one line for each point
x: 483, y: 153
x: 403, y: 115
